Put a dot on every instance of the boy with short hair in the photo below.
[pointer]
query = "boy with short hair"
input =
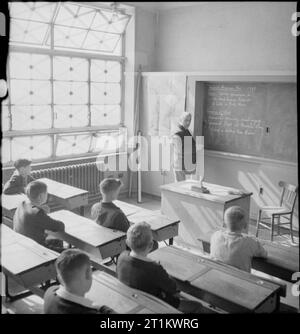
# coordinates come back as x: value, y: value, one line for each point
x: 106, y: 213
x: 74, y: 273
x: 31, y: 219
x: 20, y: 178
x: 136, y: 270
x: 231, y: 246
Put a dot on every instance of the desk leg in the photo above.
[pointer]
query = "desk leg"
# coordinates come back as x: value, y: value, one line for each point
x: 171, y: 241
x: 12, y: 298
x: 81, y: 210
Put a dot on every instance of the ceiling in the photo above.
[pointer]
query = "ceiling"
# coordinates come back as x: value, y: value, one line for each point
x: 159, y: 6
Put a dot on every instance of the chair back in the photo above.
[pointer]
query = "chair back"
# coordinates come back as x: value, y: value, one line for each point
x: 288, y: 195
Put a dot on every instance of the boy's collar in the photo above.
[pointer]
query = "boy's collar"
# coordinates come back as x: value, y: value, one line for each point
x: 63, y: 293
x: 137, y: 256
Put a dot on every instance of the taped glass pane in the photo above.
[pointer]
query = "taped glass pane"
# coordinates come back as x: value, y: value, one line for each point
x: 70, y: 116
x: 29, y: 66
x: 34, y: 11
x: 31, y: 117
x: 5, y: 150
x: 25, y: 92
x: 33, y: 147
x: 105, y: 93
x: 5, y: 119
x: 70, y: 68
x: 105, y: 71
x: 105, y: 115
x: 73, y: 144
x: 70, y: 92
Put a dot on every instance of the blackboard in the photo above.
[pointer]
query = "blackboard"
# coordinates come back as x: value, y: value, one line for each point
x: 258, y: 119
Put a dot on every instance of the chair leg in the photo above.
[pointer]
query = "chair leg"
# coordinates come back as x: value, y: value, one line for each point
x: 258, y: 222
x: 278, y: 225
x: 272, y: 228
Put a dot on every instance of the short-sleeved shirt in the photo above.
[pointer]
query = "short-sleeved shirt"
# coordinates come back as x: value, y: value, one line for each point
x: 235, y: 249
x: 109, y: 215
x: 148, y: 276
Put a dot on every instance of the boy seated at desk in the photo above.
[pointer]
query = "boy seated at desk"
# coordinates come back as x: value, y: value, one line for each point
x: 20, y: 178
x: 231, y: 246
x: 31, y: 219
x: 74, y: 273
x: 136, y: 270
x: 106, y: 213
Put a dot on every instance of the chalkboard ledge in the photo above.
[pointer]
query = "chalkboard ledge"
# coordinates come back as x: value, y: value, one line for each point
x: 249, y: 158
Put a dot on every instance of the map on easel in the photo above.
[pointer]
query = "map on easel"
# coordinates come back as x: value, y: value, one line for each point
x: 166, y: 102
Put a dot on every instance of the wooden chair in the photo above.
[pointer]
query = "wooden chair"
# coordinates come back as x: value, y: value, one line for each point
x: 274, y: 214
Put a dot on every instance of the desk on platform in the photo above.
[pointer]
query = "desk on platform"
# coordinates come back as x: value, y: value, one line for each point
x: 108, y: 290
x: 162, y: 227
x: 25, y: 261
x: 223, y: 286
x: 199, y: 213
x: 84, y: 233
x: 10, y: 204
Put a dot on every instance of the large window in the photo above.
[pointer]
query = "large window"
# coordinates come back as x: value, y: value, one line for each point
x: 65, y: 76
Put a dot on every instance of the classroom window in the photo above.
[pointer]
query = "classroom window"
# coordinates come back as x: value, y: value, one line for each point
x: 65, y: 77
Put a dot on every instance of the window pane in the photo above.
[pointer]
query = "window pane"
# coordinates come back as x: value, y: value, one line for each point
x: 28, y: 32
x: 104, y: 115
x: 66, y: 37
x: 71, y: 116
x: 105, y: 71
x: 31, y: 117
x: 67, y: 68
x: 34, y: 11
x: 109, y: 22
x: 29, y: 66
x: 71, y: 15
x: 5, y: 118
x: 105, y: 143
x: 101, y: 41
x: 35, y: 147
x: 25, y: 92
x: 73, y: 144
x: 105, y: 93
x: 70, y: 92
x: 5, y: 150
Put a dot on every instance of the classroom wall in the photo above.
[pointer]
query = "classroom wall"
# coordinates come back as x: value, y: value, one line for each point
x: 240, y: 36
x: 227, y: 36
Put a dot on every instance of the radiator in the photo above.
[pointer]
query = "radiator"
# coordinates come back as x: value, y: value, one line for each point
x: 84, y: 176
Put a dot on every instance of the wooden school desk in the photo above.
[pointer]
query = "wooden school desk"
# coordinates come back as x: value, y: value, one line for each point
x: 228, y: 288
x: 162, y: 227
x: 10, y: 204
x: 282, y: 261
x: 108, y: 290
x: 199, y: 213
x: 83, y: 233
x: 68, y: 196
x: 26, y: 262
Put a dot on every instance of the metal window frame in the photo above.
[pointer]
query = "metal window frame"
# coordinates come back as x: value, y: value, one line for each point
x: 52, y: 52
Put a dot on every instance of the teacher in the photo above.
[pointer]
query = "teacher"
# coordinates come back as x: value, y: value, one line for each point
x: 184, y: 149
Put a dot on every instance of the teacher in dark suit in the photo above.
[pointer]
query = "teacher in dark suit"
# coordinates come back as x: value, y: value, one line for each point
x: 184, y: 149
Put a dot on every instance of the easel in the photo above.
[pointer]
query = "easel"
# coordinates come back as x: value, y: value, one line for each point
x: 137, y: 146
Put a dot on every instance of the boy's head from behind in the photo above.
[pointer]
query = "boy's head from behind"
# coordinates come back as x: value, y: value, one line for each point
x: 140, y: 238
x: 234, y: 218
x: 110, y: 188
x: 23, y: 166
x: 37, y: 192
x: 74, y: 271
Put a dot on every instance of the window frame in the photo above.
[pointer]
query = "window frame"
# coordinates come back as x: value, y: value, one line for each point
x: 54, y: 132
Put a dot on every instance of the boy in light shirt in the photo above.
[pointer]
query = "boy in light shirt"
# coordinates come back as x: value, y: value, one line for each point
x: 231, y: 246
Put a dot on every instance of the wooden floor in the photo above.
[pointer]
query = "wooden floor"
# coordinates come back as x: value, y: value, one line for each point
x: 34, y: 304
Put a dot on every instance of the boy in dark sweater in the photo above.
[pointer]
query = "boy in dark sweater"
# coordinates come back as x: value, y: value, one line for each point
x: 136, y: 270
x: 74, y: 273
x: 106, y: 213
x: 20, y: 178
x: 31, y: 219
